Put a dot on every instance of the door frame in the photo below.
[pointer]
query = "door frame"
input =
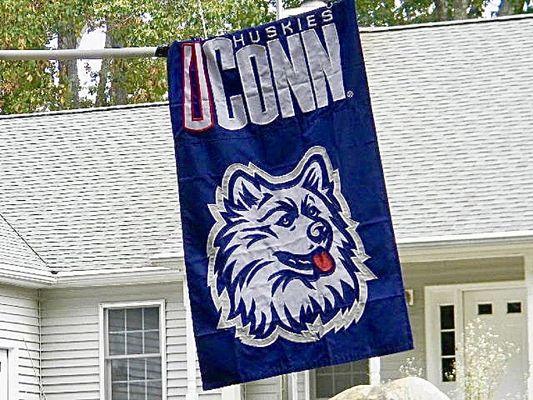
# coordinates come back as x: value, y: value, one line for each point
x: 13, y: 366
x: 453, y: 295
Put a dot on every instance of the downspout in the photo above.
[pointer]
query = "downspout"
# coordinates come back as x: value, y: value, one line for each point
x: 192, y: 393
x: 528, y: 269
x: 38, y: 371
x: 42, y: 395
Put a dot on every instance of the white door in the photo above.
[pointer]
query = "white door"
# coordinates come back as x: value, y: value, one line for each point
x: 504, y: 311
x: 4, y: 387
x: 449, y: 310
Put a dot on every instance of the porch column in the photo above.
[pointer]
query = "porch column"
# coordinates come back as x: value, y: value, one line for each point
x: 374, y: 367
x: 192, y: 393
x: 294, y: 386
x: 232, y: 393
x: 528, y: 266
x: 307, y: 385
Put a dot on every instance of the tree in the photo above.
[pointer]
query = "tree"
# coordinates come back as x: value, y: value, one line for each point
x: 38, y: 24
x: 25, y: 86
x: 66, y: 25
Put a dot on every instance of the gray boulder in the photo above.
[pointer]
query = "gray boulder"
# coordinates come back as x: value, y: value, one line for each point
x: 402, y: 389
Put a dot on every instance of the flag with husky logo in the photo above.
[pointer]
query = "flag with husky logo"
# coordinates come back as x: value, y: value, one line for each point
x: 289, y: 248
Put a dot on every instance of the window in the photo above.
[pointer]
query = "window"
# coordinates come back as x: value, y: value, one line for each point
x: 447, y: 342
x: 484, y: 309
x: 4, y: 376
x: 514, y: 307
x: 10, y: 370
x: 133, y: 353
x: 330, y: 381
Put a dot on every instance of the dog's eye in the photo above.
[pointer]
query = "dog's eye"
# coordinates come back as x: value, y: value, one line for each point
x: 313, y: 211
x: 285, y: 221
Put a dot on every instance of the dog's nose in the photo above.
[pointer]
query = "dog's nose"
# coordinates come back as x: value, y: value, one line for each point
x: 317, y: 232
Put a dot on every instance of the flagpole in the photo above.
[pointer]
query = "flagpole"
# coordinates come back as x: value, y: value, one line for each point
x: 76, y: 54
x: 125, y: 52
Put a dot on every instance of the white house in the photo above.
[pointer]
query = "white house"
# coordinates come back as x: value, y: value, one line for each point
x: 91, y: 265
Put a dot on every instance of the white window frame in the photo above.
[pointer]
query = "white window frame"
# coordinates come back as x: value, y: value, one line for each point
x: 312, y: 380
x: 13, y: 366
x: 103, y: 307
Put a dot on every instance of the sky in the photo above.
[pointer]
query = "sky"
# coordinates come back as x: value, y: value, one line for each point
x: 91, y: 40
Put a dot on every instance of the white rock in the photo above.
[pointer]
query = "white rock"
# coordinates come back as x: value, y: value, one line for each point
x: 401, y: 389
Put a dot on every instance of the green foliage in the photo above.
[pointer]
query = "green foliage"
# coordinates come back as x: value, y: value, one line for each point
x: 152, y: 23
x: 25, y: 86
x: 34, y: 24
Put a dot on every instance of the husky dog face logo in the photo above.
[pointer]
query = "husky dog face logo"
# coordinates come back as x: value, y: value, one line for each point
x: 284, y: 256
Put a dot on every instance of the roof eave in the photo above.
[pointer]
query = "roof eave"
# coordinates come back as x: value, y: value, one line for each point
x: 168, y: 268
x: 171, y: 272
x: 502, y: 244
x: 26, y: 280
x: 439, y: 24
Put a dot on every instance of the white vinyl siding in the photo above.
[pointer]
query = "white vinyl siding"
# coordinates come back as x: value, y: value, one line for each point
x: 419, y: 275
x: 70, y: 330
x: 271, y: 389
x: 266, y: 389
x: 71, y: 342
x: 71, y: 338
x: 19, y: 324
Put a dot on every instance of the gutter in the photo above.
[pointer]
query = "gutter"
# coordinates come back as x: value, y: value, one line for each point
x: 120, y: 276
x: 8, y: 277
x: 169, y: 267
x: 515, y: 237
x: 440, y: 24
x: 455, y: 247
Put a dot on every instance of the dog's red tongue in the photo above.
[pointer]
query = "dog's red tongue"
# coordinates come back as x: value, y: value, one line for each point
x: 323, y: 261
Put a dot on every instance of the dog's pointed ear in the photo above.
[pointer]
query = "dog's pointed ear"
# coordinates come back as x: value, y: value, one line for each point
x: 315, y: 175
x: 246, y: 191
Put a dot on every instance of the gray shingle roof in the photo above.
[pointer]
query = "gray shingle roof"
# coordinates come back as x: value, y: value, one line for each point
x: 454, y: 114
x: 91, y: 189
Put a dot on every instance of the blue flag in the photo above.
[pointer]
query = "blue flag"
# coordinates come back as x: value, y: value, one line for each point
x: 289, y: 248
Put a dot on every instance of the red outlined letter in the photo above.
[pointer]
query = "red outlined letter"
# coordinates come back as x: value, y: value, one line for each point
x: 198, y: 110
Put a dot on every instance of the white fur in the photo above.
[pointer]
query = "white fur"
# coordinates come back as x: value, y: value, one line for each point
x: 258, y: 294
